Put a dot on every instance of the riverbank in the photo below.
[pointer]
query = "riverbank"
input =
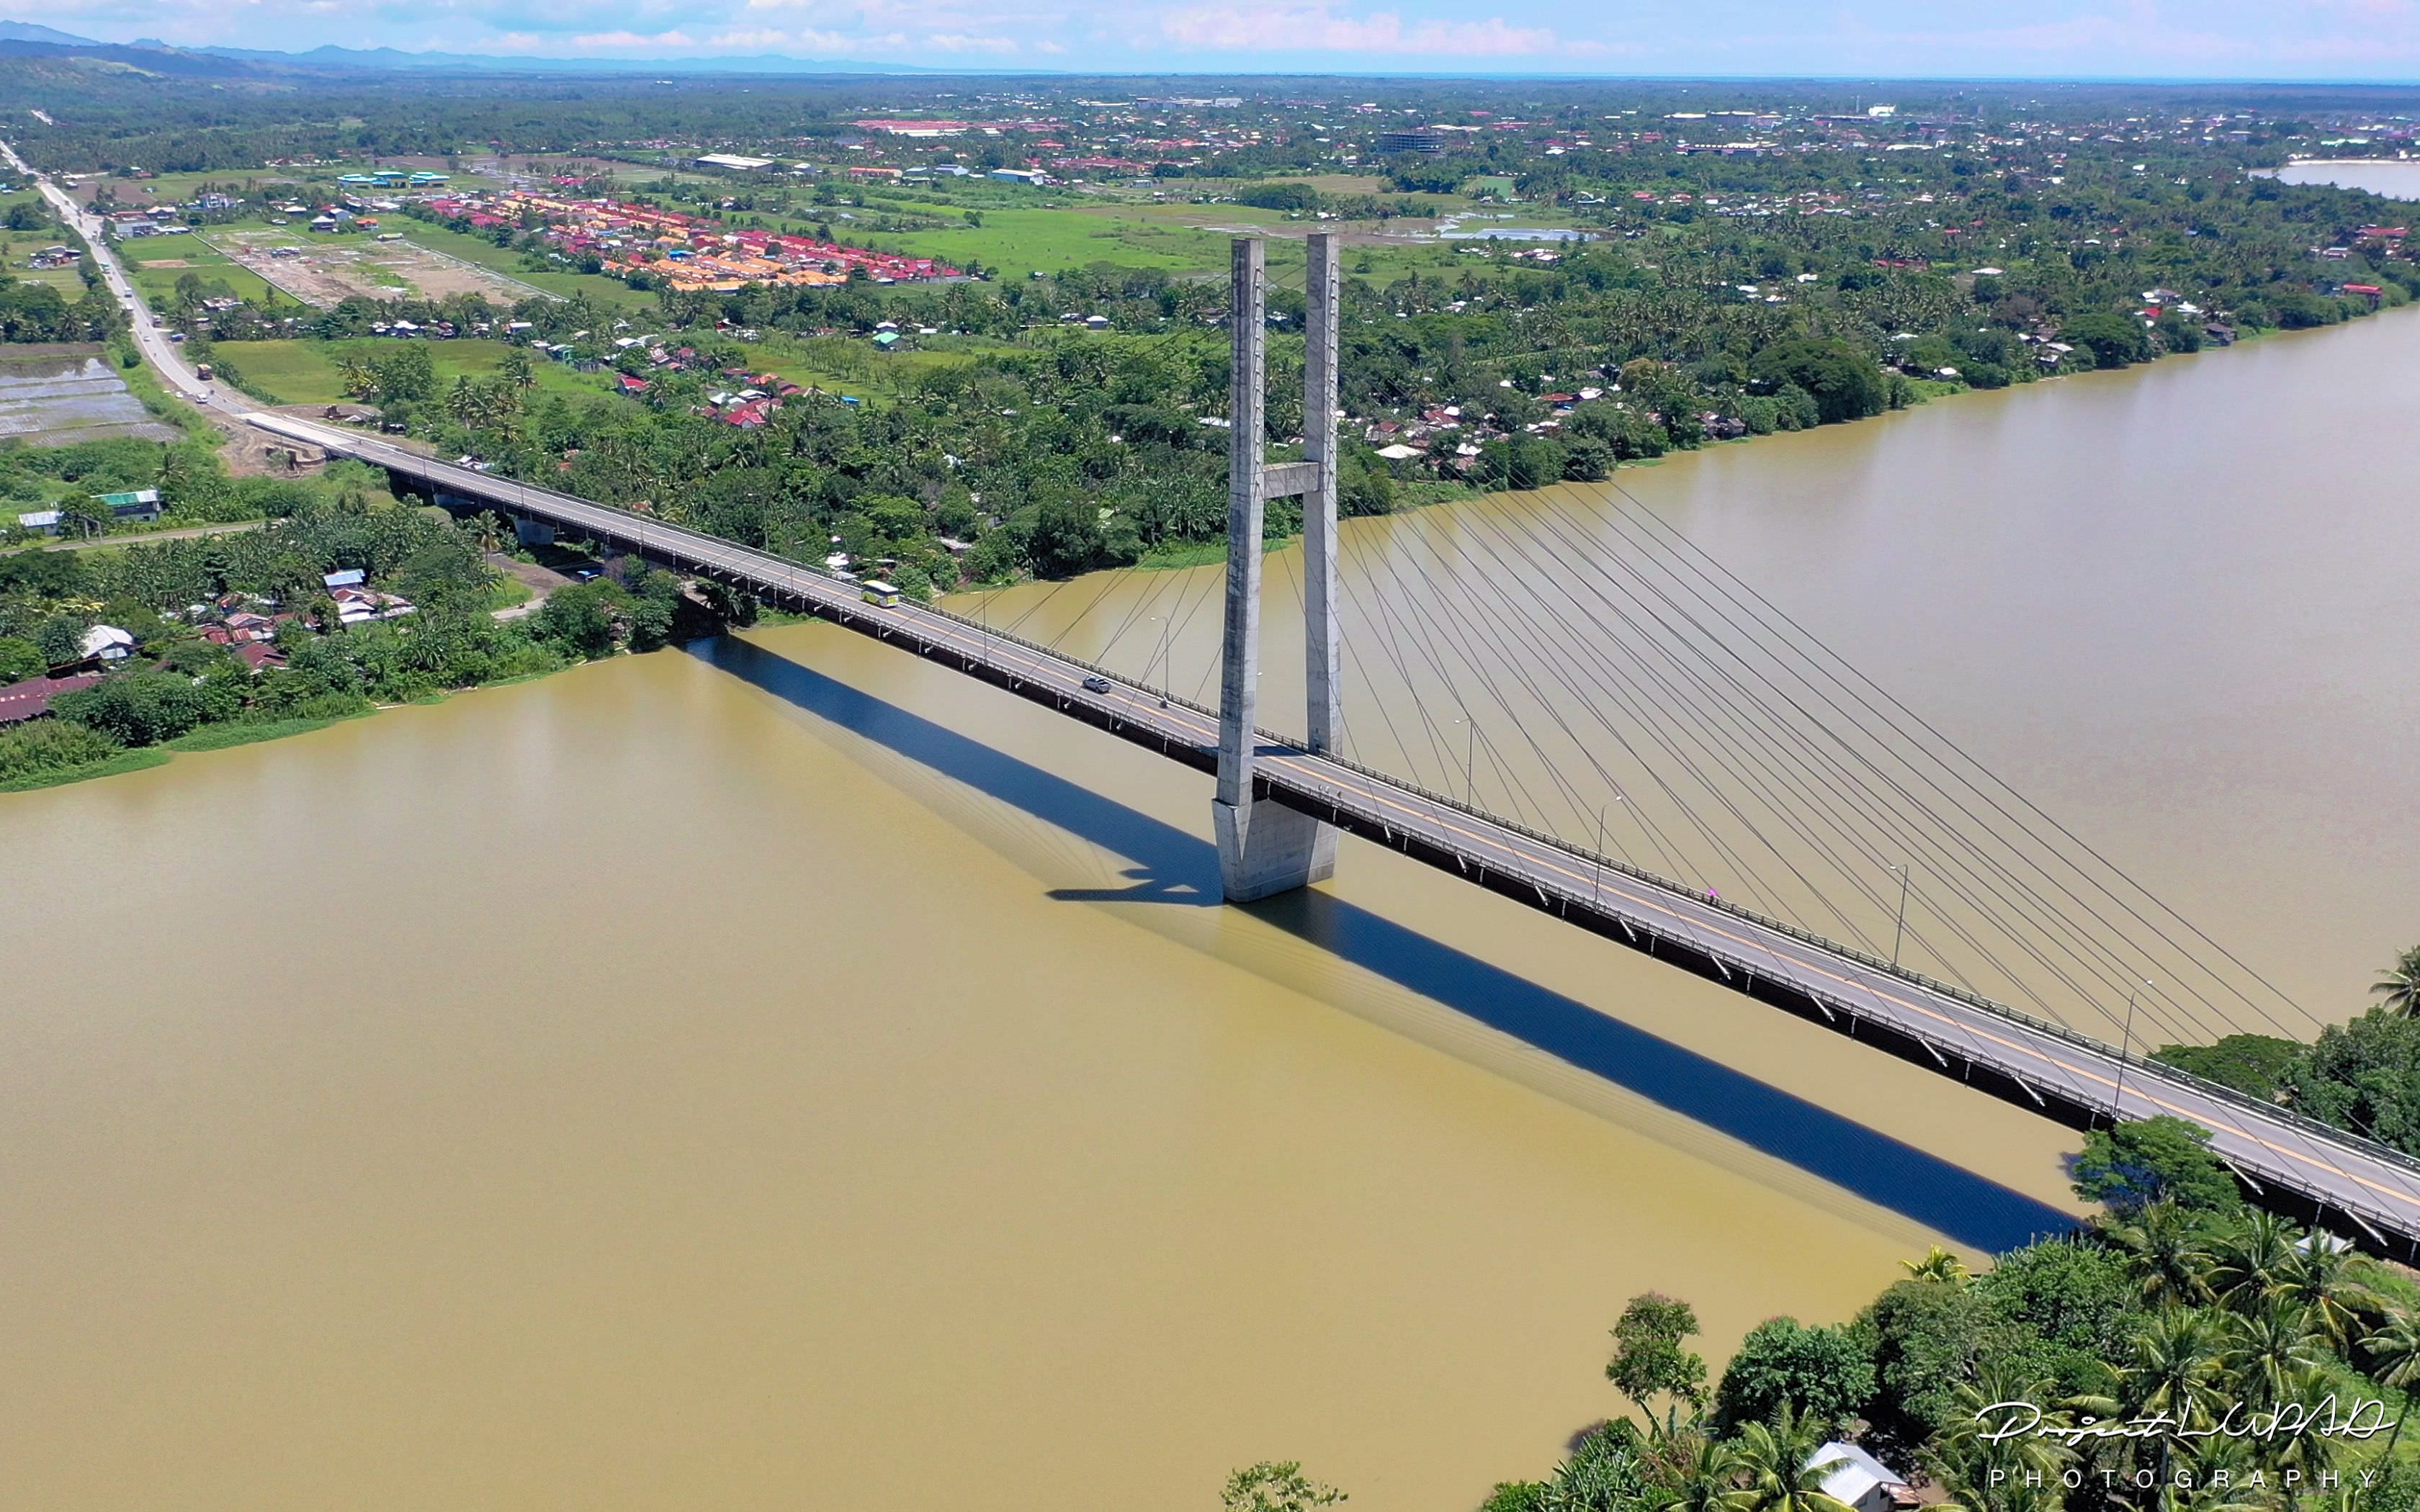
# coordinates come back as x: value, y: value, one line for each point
x: 1190, y: 556
x: 345, y: 607
x: 210, y: 737
x: 1417, y: 493
x: 721, y: 1043
x: 228, y: 735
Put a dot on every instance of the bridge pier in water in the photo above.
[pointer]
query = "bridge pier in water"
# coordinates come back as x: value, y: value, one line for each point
x: 1265, y: 848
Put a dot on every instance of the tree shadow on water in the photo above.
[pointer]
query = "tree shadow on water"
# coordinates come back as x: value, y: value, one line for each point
x: 1171, y: 867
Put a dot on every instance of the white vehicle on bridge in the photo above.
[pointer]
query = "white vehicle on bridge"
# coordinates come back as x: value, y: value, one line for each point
x: 881, y: 595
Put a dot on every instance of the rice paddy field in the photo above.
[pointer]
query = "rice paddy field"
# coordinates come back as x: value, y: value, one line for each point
x: 53, y: 395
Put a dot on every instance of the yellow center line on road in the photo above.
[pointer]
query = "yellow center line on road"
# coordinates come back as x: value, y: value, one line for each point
x: 953, y: 633
x: 2039, y: 1054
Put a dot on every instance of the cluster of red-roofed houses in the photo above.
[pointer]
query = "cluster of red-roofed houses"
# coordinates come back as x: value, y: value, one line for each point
x: 245, y: 624
x: 689, y: 252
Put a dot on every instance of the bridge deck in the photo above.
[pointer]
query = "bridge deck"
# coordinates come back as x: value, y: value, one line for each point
x: 2295, y: 1163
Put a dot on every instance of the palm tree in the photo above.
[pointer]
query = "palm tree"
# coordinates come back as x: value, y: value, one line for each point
x: 359, y: 379
x: 2250, y: 1259
x: 487, y: 532
x: 2400, y: 986
x: 518, y: 370
x: 2323, y: 1279
x: 1703, y: 1471
x: 2394, y: 1353
x: 1777, y: 1468
x: 1940, y: 1265
x: 2313, y: 1454
x: 2013, y: 1475
x: 2170, y: 1252
x: 2175, y: 1366
x: 2197, y: 1487
x: 2269, y: 1350
x: 2176, y: 1370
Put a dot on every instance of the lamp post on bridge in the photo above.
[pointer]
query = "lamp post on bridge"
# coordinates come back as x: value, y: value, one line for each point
x: 1160, y: 656
x: 1469, y: 761
x: 1596, y: 883
x: 1898, y: 932
x: 2125, y: 1037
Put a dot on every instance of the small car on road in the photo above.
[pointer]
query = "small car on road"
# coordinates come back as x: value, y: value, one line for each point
x: 1095, y: 683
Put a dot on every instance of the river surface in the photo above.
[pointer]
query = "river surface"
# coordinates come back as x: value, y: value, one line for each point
x: 783, y: 1073
x: 2396, y: 178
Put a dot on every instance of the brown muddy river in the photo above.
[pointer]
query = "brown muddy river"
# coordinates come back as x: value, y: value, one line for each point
x: 786, y: 1075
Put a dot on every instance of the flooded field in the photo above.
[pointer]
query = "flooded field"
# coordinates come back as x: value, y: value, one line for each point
x: 56, y: 396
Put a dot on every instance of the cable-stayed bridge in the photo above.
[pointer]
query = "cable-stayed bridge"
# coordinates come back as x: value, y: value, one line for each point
x: 1673, y: 762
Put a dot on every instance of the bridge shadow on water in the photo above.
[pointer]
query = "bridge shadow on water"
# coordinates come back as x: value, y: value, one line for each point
x: 1171, y: 867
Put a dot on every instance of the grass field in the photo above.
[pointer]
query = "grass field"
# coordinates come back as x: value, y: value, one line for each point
x: 1183, y: 237
x: 158, y: 283
x: 843, y: 366
x: 65, y: 280
x: 1022, y: 242
x: 307, y: 372
x: 167, y: 188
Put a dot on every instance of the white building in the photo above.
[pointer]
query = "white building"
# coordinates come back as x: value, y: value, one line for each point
x: 108, y: 642
x: 1860, y: 1480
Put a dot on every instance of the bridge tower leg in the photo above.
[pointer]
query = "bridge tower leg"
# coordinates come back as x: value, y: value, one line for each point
x: 1264, y: 847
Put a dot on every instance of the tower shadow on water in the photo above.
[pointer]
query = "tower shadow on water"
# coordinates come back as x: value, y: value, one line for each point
x: 1171, y: 868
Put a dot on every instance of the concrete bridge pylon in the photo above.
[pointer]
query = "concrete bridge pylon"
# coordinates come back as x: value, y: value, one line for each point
x: 1264, y: 847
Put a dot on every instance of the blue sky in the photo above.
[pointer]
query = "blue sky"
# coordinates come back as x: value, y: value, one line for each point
x: 2137, y: 39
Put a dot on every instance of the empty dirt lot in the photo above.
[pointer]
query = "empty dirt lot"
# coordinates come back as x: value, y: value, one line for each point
x: 323, y: 273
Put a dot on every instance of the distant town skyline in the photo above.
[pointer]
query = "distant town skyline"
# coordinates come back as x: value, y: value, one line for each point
x: 2313, y: 39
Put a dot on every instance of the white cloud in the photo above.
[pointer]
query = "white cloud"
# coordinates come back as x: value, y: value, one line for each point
x: 805, y: 41
x: 960, y: 42
x: 1318, y: 27
x: 671, y: 38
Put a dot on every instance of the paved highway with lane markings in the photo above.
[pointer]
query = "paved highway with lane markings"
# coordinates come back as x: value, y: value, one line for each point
x: 2357, y: 1187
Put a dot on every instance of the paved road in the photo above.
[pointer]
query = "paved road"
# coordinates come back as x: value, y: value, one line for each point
x: 164, y: 355
x: 2343, y: 1177
x: 2058, y: 1070
x: 145, y: 537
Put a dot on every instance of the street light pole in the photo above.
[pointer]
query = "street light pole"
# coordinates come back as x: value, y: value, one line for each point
x: 1167, y: 626
x: 2125, y: 1037
x: 1898, y: 932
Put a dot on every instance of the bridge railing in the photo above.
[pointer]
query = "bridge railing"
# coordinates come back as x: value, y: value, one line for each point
x: 2149, y: 1069
x: 648, y: 529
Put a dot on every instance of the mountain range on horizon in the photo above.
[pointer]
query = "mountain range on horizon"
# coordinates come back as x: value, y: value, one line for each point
x: 26, y: 37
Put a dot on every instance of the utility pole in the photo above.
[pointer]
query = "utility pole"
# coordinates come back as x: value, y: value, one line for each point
x: 1899, y: 931
x: 2125, y: 1037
